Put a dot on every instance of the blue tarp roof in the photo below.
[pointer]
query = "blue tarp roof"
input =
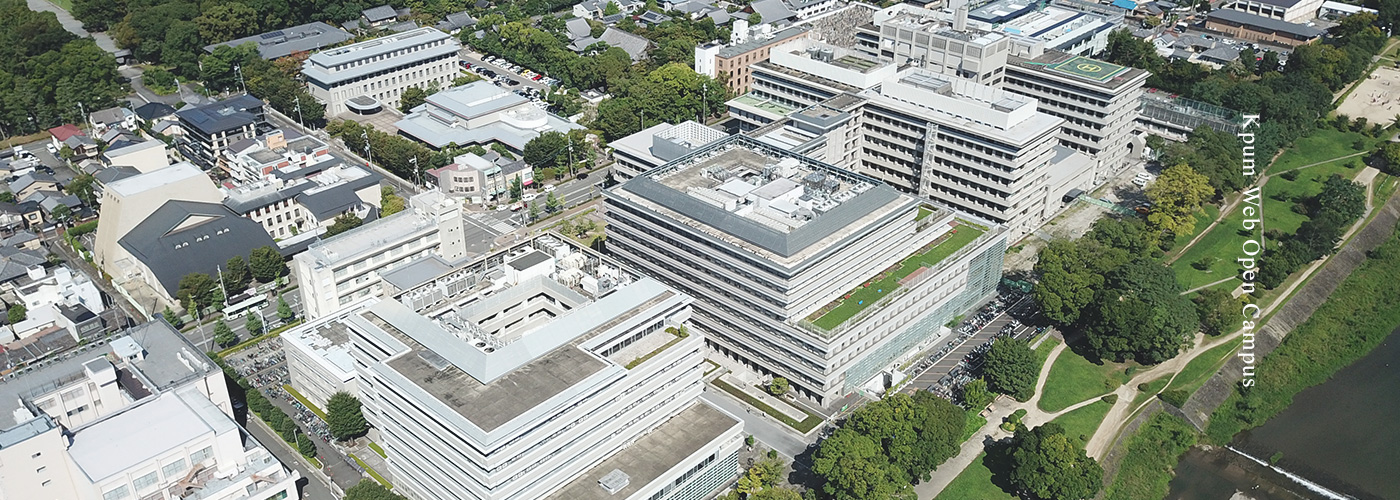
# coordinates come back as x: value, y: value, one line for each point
x: 1125, y: 4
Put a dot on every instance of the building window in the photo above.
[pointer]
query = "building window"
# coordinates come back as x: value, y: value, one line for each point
x: 202, y: 455
x: 117, y: 493
x: 145, y: 481
x: 173, y: 468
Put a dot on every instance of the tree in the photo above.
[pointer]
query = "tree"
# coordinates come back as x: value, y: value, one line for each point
x: 81, y: 186
x: 853, y: 466
x: 370, y: 489
x: 411, y: 98
x: 1128, y: 50
x: 1067, y: 285
x: 1046, y: 464
x: 197, y: 287
x: 305, y: 445
x: 224, y: 22
x: 17, y: 313
x: 553, y: 203
x: 235, y: 274
x: 1011, y: 368
x: 253, y: 325
x: 172, y: 318
x: 755, y: 19
x: 778, y: 387
x: 1176, y: 196
x: 534, y: 211
x: 762, y: 475
x: 344, y: 417
x: 975, y: 395
x: 284, y: 311
x: 775, y: 493
x: 611, y: 8
x: 343, y: 222
x: 267, y: 264
x: 1140, y: 313
x: 223, y: 335
x: 544, y: 151
x: 517, y: 188
x: 389, y: 203
x: 1217, y: 310
x: 61, y: 213
x: 7, y: 197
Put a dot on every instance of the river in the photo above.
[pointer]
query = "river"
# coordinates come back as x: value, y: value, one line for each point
x: 1338, y: 440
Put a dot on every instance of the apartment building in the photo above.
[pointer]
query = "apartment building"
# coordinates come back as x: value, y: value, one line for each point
x: 336, y: 271
x: 1098, y: 100
x: 381, y: 69
x: 544, y: 371
x: 777, y: 248
x: 210, y: 128
x: 937, y: 42
x: 479, y: 179
x: 307, y: 201
x: 735, y: 60
x: 802, y: 73
x: 145, y: 416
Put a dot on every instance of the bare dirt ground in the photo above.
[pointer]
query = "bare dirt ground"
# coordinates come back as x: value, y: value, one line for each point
x: 1076, y: 220
x: 1377, y: 98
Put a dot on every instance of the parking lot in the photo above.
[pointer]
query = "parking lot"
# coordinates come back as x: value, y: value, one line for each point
x: 503, y: 75
x: 954, y: 363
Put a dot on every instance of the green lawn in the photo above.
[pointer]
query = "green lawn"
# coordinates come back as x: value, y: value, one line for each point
x: 1279, y: 214
x: 1321, y: 145
x: 1152, y: 454
x: 972, y: 424
x: 1074, y: 379
x: 1080, y: 424
x: 923, y: 212
x: 975, y: 482
x: 1223, y: 240
x: 377, y: 450
x: 869, y: 293
x: 1200, y: 368
x: 1153, y: 387
x: 805, y: 426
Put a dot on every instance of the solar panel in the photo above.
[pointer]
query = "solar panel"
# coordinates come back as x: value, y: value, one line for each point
x: 273, y: 34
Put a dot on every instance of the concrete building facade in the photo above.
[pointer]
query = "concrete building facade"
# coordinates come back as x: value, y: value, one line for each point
x: 381, y: 69
x: 774, y: 246
x: 542, y: 371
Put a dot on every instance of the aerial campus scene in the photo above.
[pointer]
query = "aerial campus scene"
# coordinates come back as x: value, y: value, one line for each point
x: 699, y: 249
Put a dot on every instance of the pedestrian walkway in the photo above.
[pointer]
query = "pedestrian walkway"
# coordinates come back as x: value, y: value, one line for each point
x: 768, y: 399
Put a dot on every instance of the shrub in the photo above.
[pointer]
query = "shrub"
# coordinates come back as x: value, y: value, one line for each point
x: 1175, y: 397
x: 1110, y: 398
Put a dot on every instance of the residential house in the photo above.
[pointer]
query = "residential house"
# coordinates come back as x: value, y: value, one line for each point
x: 113, y: 117
x: 56, y: 297
x: 378, y: 17
x: 212, y: 127
x: 29, y: 184
x: 634, y: 45
x: 456, y: 22
x: 480, y: 179
x: 75, y: 139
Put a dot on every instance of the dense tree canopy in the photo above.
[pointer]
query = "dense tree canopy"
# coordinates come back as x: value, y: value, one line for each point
x: 1176, y: 196
x: 369, y: 489
x: 1011, y: 368
x: 344, y: 417
x: 882, y: 447
x: 1140, y: 313
x: 1046, y: 464
x: 45, y: 72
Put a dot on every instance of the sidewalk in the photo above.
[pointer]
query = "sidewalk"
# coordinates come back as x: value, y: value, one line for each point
x: 777, y: 404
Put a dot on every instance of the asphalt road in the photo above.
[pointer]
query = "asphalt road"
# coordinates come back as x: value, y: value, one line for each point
x: 765, y: 430
x: 311, y: 487
x: 950, y: 361
x: 61, y: 170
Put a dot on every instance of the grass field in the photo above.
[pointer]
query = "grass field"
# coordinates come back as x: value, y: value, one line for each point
x: 1223, y: 240
x: 867, y: 294
x: 1279, y: 214
x: 1153, y: 387
x: 1152, y: 454
x: 1081, y: 423
x: 1074, y: 379
x: 1321, y: 145
x: 1199, y: 370
x: 973, y: 423
x: 975, y: 482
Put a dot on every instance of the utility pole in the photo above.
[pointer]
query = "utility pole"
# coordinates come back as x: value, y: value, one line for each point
x: 238, y: 69
x: 417, y: 178
x: 300, y: 121
x: 82, y: 110
x: 364, y: 134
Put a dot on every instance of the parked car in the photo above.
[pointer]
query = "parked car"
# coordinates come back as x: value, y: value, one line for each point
x: 549, y: 188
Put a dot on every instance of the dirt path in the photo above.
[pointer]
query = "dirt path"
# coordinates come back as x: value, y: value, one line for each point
x: 1207, y: 285
x: 991, y: 432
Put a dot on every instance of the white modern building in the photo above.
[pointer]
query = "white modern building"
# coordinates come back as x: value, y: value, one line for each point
x: 60, y: 298
x: 480, y: 113
x: 300, y: 204
x: 336, y: 271
x: 655, y: 145
x: 319, y: 363
x: 776, y: 249
x: 542, y: 371
x: 145, y: 416
x: 802, y: 73
x: 379, y: 70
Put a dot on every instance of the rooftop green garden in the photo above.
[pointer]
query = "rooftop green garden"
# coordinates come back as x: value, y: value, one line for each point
x: 855, y: 301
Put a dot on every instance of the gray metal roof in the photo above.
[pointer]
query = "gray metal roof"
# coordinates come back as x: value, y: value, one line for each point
x: 228, y: 114
x: 634, y: 45
x: 578, y: 28
x: 15, y: 262
x: 320, y: 66
x: 1265, y: 23
x: 108, y: 116
x: 183, y: 237
x: 153, y: 110
x: 284, y: 42
x: 756, y: 43
x: 772, y: 11
x: 417, y: 272
x: 380, y: 13
x: 329, y: 203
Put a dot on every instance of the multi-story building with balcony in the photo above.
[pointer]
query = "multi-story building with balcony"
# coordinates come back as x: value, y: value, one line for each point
x: 802, y: 270
x: 543, y: 371
x: 210, y: 128
x: 378, y: 71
